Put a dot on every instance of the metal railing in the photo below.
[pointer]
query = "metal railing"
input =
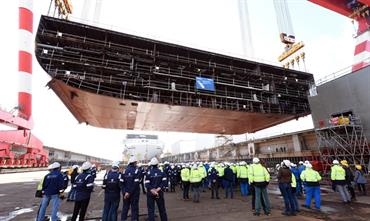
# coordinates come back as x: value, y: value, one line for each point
x: 342, y: 72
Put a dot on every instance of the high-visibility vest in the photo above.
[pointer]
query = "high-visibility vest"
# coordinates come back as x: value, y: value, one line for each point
x: 258, y: 173
x: 243, y: 172
x: 238, y: 170
x: 195, y: 176
x: 233, y: 168
x: 203, y: 171
x: 294, y: 182
x: 39, y: 185
x: 310, y: 175
x: 337, y: 173
x: 220, y: 171
x: 185, y: 174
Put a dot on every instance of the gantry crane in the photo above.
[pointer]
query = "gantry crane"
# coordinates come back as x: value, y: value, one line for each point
x: 359, y: 11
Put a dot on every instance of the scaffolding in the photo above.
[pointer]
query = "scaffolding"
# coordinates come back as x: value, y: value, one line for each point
x: 343, y: 141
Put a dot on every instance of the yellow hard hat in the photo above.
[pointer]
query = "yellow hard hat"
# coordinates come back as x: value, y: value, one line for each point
x: 344, y: 162
x: 359, y: 167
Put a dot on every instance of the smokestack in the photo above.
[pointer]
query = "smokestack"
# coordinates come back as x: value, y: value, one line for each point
x: 25, y: 58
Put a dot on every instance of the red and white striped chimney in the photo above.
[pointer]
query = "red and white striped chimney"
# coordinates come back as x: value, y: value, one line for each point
x: 362, y: 50
x: 25, y: 58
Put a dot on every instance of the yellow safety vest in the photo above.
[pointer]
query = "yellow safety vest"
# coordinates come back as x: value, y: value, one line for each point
x: 337, y: 173
x: 203, y: 171
x: 294, y: 182
x: 258, y: 173
x: 233, y: 168
x: 310, y: 175
x: 195, y: 176
x: 220, y: 171
x: 237, y: 170
x: 39, y: 185
x: 243, y: 172
x: 185, y: 174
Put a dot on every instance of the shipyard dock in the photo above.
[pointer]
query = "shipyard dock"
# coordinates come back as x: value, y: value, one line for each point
x: 19, y: 203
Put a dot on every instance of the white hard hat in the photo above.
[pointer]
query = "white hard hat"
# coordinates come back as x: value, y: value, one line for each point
x: 132, y: 159
x: 309, y: 165
x: 54, y: 166
x: 256, y: 160
x: 85, y: 166
x: 115, y: 165
x: 293, y: 164
x: 335, y: 162
x: 287, y: 163
x: 300, y: 162
x: 154, y: 161
x: 242, y: 163
x: 74, y: 166
x: 195, y: 166
x: 306, y: 162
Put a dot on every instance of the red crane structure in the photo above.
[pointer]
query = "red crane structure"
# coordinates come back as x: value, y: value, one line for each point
x: 359, y: 11
x: 18, y: 147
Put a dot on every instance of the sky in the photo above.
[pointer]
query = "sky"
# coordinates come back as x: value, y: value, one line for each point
x: 212, y: 25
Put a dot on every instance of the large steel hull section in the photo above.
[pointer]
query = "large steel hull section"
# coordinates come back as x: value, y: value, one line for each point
x: 108, y: 112
x: 347, y: 93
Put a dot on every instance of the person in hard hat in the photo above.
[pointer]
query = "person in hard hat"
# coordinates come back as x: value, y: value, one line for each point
x: 172, y: 174
x: 301, y: 168
x: 214, y: 182
x: 360, y: 180
x: 349, y: 179
x: 84, y: 185
x: 166, y: 169
x: 52, y: 187
x: 203, y: 171
x: 338, y: 178
x: 242, y: 175
x: 131, y: 190
x: 294, y: 188
x: 229, y: 181
x: 185, y: 180
x: 284, y: 177
x: 155, y: 183
x: 312, y: 179
x: 196, y: 177
x: 72, y: 192
x: 259, y: 177
x: 112, y: 183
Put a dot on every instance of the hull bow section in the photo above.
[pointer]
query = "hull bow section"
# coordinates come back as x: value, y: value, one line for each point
x: 115, y: 80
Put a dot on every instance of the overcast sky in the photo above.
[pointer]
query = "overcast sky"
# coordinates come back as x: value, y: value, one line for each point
x: 212, y: 25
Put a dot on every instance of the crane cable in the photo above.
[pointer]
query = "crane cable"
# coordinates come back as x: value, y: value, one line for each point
x: 283, y: 17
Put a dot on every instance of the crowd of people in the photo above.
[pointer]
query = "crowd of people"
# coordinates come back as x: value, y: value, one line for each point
x: 294, y: 181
